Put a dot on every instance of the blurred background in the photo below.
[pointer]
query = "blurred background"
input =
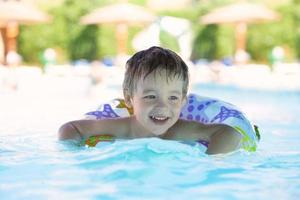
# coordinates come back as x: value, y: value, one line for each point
x: 252, y: 44
x: 58, y: 36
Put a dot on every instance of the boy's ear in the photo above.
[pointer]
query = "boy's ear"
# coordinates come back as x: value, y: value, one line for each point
x: 184, y: 100
x: 127, y: 98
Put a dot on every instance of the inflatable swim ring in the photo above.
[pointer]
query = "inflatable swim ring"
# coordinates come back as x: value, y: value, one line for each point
x: 198, y: 108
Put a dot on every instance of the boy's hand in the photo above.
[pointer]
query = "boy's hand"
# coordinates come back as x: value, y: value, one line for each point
x: 224, y: 141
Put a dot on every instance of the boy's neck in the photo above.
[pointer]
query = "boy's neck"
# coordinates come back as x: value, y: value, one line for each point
x: 138, y: 131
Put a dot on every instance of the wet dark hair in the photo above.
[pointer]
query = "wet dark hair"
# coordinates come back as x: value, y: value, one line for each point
x: 155, y: 59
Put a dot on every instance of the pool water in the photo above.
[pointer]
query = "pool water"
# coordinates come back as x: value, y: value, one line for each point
x: 34, y: 165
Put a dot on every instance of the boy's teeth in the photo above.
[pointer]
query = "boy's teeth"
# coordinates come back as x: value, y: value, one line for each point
x: 159, y: 118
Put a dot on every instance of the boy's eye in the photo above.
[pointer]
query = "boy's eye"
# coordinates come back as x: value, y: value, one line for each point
x: 173, y: 98
x: 149, y: 97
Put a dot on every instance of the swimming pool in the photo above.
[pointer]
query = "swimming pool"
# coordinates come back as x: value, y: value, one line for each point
x: 34, y: 165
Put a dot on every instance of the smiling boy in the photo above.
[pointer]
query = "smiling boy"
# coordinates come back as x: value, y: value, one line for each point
x: 155, y: 88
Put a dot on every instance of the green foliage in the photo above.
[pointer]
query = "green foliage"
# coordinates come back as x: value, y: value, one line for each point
x: 210, y: 41
x: 168, y: 41
x: 65, y: 34
x: 262, y: 38
x: 225, y: 42
x: 205, y: 43
x: 75, y: 41
x: 296, y: 20
x: 107, y: 41
x: 84, y: 45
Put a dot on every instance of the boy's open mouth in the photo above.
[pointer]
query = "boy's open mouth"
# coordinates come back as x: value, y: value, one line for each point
x: 159, y: 119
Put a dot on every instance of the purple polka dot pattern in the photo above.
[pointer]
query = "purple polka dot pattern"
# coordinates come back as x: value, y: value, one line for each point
x: 190, y: 117
x: 190, y: 113
x: 200, y: 107
x: 190, y: 108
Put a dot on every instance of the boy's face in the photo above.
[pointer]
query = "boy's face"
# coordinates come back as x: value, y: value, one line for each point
x: 157, y: 102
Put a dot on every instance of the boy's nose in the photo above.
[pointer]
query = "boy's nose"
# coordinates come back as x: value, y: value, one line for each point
x: 161, y: 103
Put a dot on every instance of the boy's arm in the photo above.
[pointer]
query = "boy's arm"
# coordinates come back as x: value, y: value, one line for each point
x: 69, y: 131
x: 224, y: 140
x: 82, y: 129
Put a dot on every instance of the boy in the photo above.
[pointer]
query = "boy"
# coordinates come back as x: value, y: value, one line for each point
x: 155, y: 87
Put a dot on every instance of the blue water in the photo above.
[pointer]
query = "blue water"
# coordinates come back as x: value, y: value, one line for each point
x: 34, y: 165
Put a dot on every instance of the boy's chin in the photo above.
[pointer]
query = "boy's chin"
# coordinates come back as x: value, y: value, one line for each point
x: 159, y: 132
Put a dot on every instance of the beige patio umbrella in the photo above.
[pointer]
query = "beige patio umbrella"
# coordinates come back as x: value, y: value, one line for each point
x: 240, y: 14
x: 122, y: 15
x: 160, y: 5
x: 13, y: 13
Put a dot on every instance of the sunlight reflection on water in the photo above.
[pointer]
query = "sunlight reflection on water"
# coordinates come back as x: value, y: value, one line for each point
x: 34, y: 165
